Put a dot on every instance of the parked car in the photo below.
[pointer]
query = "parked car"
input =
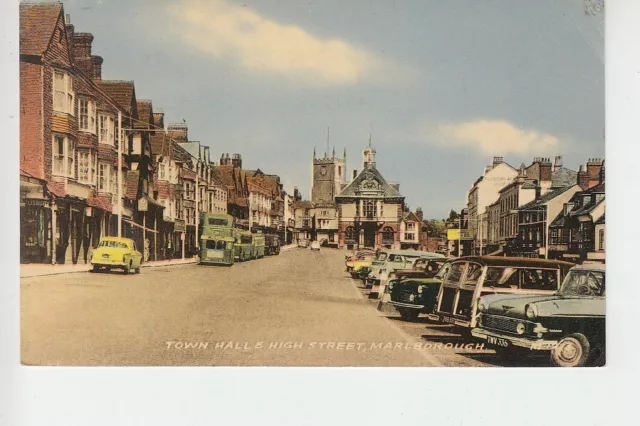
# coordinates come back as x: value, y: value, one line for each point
x: 569, y: 324
x: 412, y: 294
x: 354, y: 265
x: 315, y: 245
x: 303, y: 243
x: 389, y: 261
x: 116, y: 253
x: 474, y: 276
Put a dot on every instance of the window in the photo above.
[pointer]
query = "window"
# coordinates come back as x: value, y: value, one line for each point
x: 106, y: 129
x: 113, y: 183
x: 387, y: 235
x: 601, y: 239
x: 120, y: 139
x: 408, y: 236
x: 84, y: 167
x: 161, y: 170
x: 87, y: 110
x: 370, y: 208
x: 104, y: 177
x: 63, y: 156
x: 411, y: 226
x: 63, y: 95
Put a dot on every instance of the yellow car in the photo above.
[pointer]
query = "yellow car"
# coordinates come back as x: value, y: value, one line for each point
x: 119, y: 253
x: 363, y: 261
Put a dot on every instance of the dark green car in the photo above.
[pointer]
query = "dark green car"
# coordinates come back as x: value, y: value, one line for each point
x: 412, y: 296
x: 569, y: 324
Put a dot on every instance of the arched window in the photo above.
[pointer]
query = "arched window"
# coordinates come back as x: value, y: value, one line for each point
x: 350, y: 233
x: 387, y: 235
x: 370, y: 208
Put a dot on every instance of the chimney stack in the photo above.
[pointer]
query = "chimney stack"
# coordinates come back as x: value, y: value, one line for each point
x: 594, y: 166
x: 583, y: 178
x: 419, y: 213
x: 96, y: 61
x: 538, y: 189
x: 602, y: 173
x: 355, y: 173
x: 545, y: 169
x: 81, y: 44
x: 178, y: 131
x: 158, y: 118
x: 236, y: 160
x: 557, y: 164
x: 497, y: 160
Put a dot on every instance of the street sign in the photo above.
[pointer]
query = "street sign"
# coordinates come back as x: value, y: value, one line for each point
x: 143, y: 204
x: 454, y: 234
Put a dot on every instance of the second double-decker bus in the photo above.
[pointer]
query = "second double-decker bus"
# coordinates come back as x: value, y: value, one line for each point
x: 244, y: 248
x: 258, y: 246
x: 217, y: 237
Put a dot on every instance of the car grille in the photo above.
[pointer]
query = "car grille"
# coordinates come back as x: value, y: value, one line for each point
x: 404, y: 297
x: 506, y: 324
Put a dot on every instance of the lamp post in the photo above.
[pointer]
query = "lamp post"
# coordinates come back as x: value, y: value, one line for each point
x: 119, y: 175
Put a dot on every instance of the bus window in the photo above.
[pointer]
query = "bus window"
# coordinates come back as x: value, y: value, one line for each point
x: 218, y: 222
x: 221, y: 245
x: 211, y: 245
x: 245, y: 239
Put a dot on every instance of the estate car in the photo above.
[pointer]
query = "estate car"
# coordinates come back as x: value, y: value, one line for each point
x: 569, y: 324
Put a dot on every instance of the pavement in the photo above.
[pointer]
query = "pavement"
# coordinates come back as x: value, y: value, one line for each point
x: 40, y: 269
x: 296, y: 309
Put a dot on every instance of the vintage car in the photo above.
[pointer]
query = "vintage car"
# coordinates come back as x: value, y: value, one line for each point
x: 118, y: 253
x: 272, y: 245
x: 471, y: 277
x: 389, y: 261
x: 315, y: 246
x: 303, y: 243
x: 413, y: 294
x: 569, y: 324
x: 358, y: 253
x: 354, y: 265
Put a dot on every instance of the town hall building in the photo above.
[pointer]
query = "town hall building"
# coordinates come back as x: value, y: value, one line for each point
x: 370, y: 209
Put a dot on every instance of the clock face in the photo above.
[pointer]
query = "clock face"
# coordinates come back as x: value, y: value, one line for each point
x: 323, y: 171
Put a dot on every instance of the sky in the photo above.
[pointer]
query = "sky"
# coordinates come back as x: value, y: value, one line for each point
x: 441, y: 86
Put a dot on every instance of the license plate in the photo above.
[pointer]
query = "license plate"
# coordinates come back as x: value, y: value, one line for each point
x: 497, y: 341
x: 448, y: 320
x: 105, y: 255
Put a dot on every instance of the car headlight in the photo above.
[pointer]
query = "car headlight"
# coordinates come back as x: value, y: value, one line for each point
x: 531, y: 311
x: 391, y: 286
x: 420, y: 289
x: 482, y: 307
x: 520, y: 328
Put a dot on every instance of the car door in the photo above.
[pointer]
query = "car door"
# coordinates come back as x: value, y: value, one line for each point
x: 136, y: 256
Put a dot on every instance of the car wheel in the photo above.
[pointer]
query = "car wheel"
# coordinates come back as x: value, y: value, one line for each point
x: 138, y: 270
x: 571, y: 351
x: 127, y: 269
x: 95, y: 268
x: 409, y: 314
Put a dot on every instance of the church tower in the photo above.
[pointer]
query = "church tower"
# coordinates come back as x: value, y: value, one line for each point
x: 328, y: 175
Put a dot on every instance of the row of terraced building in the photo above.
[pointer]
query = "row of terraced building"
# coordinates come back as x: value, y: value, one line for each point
x: 77, y: 130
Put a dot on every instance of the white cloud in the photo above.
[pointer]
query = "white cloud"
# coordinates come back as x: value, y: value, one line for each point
x: 240, y: 35
x: 497, y: 137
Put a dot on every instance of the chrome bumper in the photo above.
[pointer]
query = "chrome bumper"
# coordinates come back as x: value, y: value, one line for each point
x: 522, y: 342
x: 406, y: 305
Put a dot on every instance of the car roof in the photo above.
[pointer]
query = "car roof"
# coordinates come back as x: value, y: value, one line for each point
x: 119, y: 239
x: 591, y: 267
x: 514, y: 261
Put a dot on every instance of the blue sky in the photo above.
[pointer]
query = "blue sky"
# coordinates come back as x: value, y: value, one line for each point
x: 444, y: 85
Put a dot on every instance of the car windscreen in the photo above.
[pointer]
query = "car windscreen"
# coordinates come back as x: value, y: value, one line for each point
x: 455, y: 273
x: 381, y: 257
x: 584, y: 283
x: 217, y: 222
x: 246, y: 239
x: 112, y: 244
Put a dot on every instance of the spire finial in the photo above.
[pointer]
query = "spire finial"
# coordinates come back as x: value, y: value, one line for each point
x: 314, y: 152
x: 370, y: 131
x: 326, y: 153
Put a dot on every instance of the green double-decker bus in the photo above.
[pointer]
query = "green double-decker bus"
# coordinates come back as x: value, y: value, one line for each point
x: 244, y: 248
x: 217, y: 239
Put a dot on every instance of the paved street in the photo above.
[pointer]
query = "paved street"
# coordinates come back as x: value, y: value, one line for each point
x: 299, y: 308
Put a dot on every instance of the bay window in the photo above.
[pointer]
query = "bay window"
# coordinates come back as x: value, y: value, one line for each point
x: 87, y: 112
x: 106, y: 129
x: 63, y: 95
x: 104, y: 177
x: 84, y: 167
x: 63, y: 156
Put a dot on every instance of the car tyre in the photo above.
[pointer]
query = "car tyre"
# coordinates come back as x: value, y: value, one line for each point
x: 127, y: 269
x: 409, y: 314
x: 95, y: 268
x: 138, y: 270
x: 571, y: 351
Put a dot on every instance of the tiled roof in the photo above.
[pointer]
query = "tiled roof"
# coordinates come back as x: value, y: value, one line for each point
x: 131, y: 182
x: 179, y: 153
x: 123, y: 92
x: 160, y: 143
x: 545, y: 198
x: 37, y: 22
x: 563, y: 177
x: 411, y: 216
x: 352, y: 189
x: 101, y: 202
x: 188, y: 174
